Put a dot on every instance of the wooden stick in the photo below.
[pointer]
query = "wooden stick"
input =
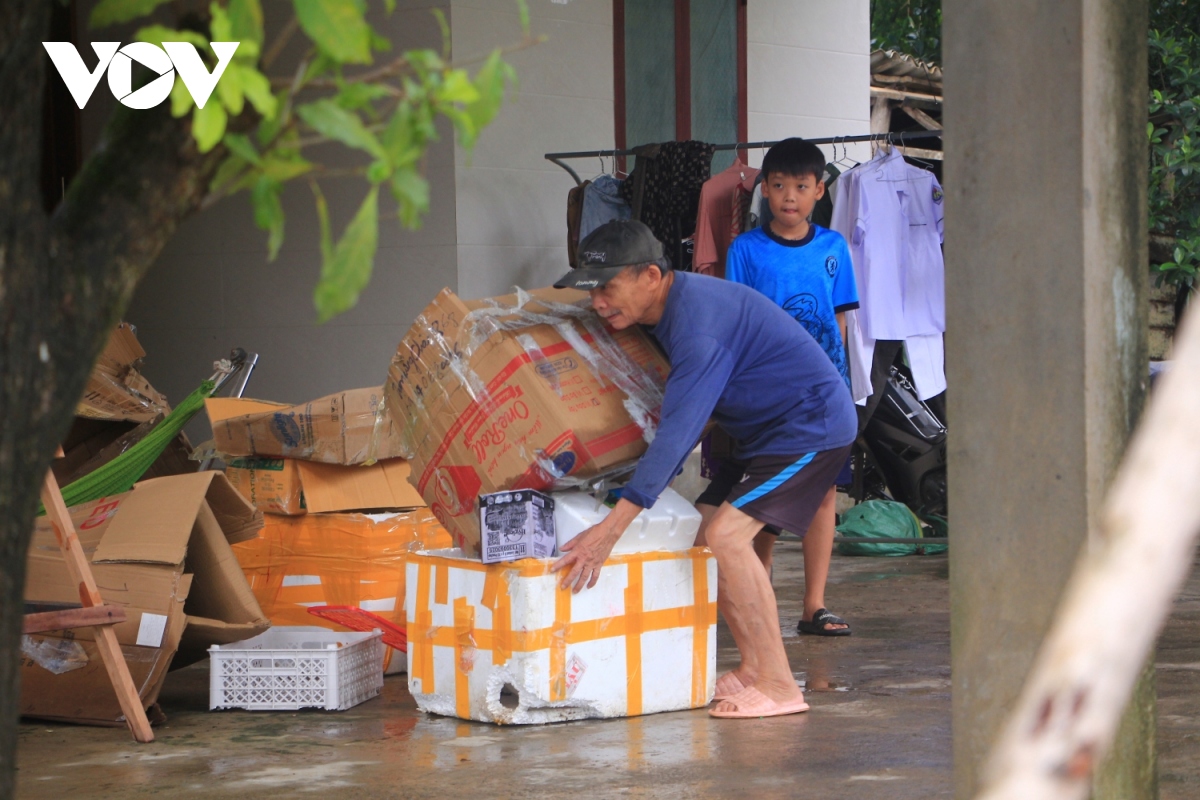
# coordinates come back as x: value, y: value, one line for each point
x: 73, y: 618
x: 924, y: 120
x: 1116, y: 603
x: 89, y: 596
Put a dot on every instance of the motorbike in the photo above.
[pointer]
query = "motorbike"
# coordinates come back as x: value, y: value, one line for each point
x: 901, y: 453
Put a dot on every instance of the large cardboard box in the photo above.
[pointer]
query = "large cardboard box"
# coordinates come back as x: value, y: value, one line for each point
x: 297, y: 563
x: 642, y: 640
x: 517, y: 392
x: 161, y: 551
x: 342, y: 428
x: 291, y: 487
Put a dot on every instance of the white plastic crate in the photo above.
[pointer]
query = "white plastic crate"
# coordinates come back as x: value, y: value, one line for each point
x: 294, y: 667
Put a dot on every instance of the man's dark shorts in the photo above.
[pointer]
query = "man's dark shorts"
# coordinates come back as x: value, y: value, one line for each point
x: 782, y: 492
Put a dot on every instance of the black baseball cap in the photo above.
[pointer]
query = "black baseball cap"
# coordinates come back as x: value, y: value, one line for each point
x: 612, y: 247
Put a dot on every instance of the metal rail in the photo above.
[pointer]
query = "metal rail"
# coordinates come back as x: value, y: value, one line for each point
x: 896, y: 137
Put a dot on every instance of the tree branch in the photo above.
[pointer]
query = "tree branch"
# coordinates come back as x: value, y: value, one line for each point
x: 285, y: 35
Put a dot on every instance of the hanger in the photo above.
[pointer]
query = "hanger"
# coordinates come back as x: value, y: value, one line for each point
x: 845, y: 159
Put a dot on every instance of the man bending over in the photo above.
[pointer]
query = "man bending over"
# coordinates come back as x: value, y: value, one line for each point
x: 738, y: 358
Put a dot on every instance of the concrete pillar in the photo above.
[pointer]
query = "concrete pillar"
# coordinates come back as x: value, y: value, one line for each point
x: 1046, y: 354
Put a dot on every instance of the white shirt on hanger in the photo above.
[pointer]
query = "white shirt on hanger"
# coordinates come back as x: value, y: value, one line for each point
x: 890, y: 213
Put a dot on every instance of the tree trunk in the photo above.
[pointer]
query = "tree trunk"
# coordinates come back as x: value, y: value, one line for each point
x: 65, y: 280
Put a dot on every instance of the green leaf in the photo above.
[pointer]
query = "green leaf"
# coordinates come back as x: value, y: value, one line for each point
x: 271, y: 126
x: 411, y: 191
x: 157, y: 34
x: 268, y: 212
x: 285, y: 168
x: 257, y: 90
x: 389, y: 5
x: 523, y: 12
x: 399, y: 138
x: 379, y: 171
x: 354, y: 96
x: 181, y: 99
x: 240, y: 145
x: 323, y: 221
x: 380, y: 43
x: 318, y: 66
x: 347, y: 271
x: 229, y: 174
x: 208, y: 125
x: 330, y: 119
x: 108, y: 12
x: 221, y: 28
x: 338, y: 28
x: 229, y: 90
x: 491, y: 82
x: 246, y: 23
x: 444, y: 26
x: 457, y: 88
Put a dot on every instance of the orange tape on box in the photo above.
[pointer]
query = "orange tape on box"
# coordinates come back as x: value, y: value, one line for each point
x: 343, y: 559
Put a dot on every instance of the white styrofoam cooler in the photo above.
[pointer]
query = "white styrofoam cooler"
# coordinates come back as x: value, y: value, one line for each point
x: 643, y: 640
x: 671, y: 524
x: 292, y: 667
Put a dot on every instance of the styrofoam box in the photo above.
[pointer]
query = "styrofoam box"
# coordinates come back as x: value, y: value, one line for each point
x: 671, y: 524
x: 294, y: 667
x: 502, y: 643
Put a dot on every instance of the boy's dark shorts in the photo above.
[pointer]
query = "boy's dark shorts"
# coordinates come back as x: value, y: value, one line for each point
x: 782, y: 492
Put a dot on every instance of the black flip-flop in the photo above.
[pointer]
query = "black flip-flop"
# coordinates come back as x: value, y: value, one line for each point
x: 816, y: 627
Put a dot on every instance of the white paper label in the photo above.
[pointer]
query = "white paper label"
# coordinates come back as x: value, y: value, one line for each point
x: 151, y: 630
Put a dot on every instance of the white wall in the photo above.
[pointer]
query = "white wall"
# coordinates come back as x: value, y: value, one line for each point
x: 808, y: 70
x: 213, y: 289
x: 511, y: 202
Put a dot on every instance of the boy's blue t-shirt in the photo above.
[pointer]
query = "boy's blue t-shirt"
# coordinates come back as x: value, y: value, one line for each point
x: 811, y: 279
x: 737, y: 357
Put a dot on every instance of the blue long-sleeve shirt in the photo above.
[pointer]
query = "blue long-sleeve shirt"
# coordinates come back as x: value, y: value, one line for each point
x: 741, y: 359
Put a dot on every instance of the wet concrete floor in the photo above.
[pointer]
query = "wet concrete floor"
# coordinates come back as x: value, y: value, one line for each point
x: 879, y: 725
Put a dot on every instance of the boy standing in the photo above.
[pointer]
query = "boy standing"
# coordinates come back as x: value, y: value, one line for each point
x: 806, y: 270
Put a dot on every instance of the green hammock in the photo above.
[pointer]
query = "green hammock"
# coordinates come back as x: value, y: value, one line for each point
x: 120, y: 474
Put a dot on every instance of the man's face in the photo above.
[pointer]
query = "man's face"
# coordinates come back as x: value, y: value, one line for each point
x: 792, y: 197
x: 625, y: 299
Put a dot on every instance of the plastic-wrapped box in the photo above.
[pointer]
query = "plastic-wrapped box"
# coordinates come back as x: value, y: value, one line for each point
x: 528, y: 391
x: 502, y: 643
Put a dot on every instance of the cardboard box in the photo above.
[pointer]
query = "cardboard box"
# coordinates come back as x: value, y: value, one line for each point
x: 162, y: 551
x: 516, y: 525
x: 288, y: 486
x: 115, y: 389
x: 342, y: 428
x: 271, y: 485
x: 642, y: 640
x: 297, y: 563
x: 494, y: 397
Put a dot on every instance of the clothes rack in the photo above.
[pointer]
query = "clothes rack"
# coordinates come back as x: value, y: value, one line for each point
x: 896, y: 137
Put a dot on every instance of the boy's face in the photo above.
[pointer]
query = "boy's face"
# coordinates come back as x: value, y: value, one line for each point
x: 791, y: 198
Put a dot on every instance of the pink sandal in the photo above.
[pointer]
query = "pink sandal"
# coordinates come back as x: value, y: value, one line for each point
x: 750, y: 703
x: 727, y: 686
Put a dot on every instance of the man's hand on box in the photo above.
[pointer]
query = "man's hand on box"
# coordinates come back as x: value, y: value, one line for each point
x: 584, y: 555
